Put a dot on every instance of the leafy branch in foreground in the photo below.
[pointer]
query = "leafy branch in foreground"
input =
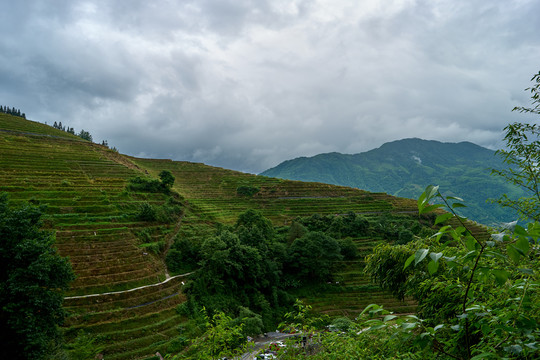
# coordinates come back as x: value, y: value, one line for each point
x: 523, y: 158
x: 477, y: 298
x: 522, y: 154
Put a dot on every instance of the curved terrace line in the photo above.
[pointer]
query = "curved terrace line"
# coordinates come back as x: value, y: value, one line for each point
x: 125, y: 291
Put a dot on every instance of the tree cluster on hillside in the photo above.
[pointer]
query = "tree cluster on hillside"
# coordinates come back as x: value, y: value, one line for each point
x: 32, y: 280
x: 253, y: 267
x: 82, y: 134
x: 163, y: 185
x: 12, y: 111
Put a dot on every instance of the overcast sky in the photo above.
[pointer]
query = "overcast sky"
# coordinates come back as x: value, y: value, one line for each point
x: 246, y: 84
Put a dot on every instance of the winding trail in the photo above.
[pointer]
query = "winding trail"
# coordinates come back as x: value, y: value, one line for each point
x: 129, y: 290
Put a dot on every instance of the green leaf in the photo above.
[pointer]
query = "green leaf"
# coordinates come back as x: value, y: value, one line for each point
x: 409, y: 261
x: 435, y: 256
x: 482, y: 356
x: 470, y: 244
x: 389, y: 317
x: 440, y: 326
x: 443, y: 217
x: 500, y: 276
x: 454, y: 198
x: 471, y: 255
x: 458, y: 205
x: 496, y: 254
x: 523, y: 244
x: 513, y: 253
x: 518, y: 230
x: 445, y: 229
x: 369, y: 307
x: 408, y: 326
x: 526, y: 271
x: 432, y: 267
x: 431, y: 208
x: 420, y: 255
x: 424, y: 199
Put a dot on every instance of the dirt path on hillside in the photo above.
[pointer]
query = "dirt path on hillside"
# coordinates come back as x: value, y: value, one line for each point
x: 129, y: 290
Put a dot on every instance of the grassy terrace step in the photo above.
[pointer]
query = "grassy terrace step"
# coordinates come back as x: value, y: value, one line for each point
x: 97, y: 270
x: 98, y: 235
x: 151, y: 292
x: 112, y: 277
x: 86, y: 263
x: 82, y: 246
x: 124, y: 350
x: 126, y: 324
x: 86, y: 223
x: 103, y: 249
x: 14, y: 123
x: 124, y: 314
x: 103, y: 268
x: 118, y: 286
x: 107, y: 264
x: 157, y: 327
x: 351, y: 303
x: 94, y: 305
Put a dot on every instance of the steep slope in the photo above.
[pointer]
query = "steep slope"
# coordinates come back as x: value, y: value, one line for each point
x: 405, y: 167
x: 94, y: 218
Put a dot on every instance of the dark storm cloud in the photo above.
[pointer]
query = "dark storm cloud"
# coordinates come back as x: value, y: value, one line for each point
x: 247, y: 84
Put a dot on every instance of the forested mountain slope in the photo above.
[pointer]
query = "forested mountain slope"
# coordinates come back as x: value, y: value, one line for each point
x: 405, y: 167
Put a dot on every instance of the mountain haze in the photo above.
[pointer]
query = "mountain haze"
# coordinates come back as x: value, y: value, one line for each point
x: 405, y: 167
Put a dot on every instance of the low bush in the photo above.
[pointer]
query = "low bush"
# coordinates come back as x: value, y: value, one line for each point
x: 247, y: 190
x: 147, y: 212
x: 139, y: 183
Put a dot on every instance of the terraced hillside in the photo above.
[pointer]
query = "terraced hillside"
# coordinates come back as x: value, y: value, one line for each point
x: 214, y: 191
x: 83, y: 186
x: 119, y: 295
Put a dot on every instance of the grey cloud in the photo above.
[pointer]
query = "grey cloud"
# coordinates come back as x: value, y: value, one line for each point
x: 248, y: 84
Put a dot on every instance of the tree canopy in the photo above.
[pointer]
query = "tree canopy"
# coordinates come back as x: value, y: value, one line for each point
x: 32, y: 280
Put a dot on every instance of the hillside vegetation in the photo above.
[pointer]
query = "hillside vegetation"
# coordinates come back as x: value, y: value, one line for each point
x: 404, y: 168
x: 119, y: 237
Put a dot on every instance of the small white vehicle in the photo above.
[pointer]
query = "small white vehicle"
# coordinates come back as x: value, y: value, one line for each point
x: 266, y: 357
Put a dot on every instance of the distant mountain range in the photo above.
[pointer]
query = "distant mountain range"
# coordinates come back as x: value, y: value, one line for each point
x: 405, y: 167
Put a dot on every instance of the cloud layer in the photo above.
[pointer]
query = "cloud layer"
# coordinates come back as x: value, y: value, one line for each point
x: 247, y: 84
